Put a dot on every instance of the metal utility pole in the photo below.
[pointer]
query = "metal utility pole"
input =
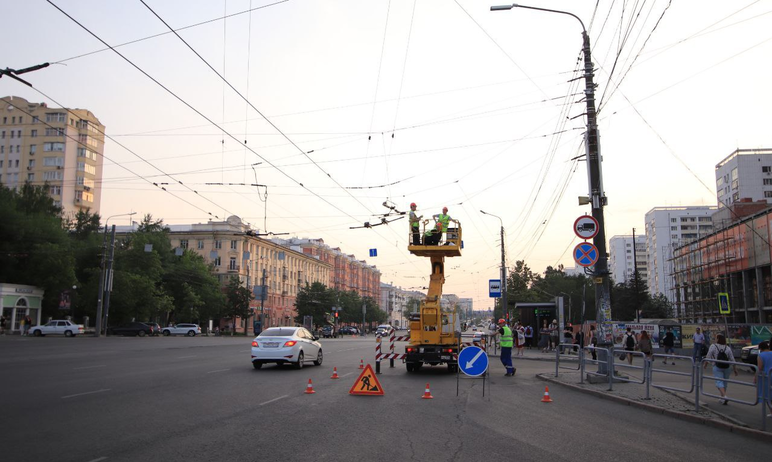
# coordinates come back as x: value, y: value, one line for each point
x: 109, y: 279
x: 503, y: 268
x: 635, y: 282
x: 597, y: 196
x: 263, y: 290
x: 101, y: 293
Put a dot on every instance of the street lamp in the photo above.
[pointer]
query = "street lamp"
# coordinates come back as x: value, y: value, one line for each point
x: 503, y: 266
x: 597, y: 196
x: 100, y: 294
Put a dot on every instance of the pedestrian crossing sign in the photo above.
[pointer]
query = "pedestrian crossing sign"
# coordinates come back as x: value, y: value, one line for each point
x: 367, y: 384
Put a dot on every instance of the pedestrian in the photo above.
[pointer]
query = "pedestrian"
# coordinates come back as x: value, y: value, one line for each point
x: 699, y: 343
x: 21, y: 325
x: 593, y: 342
x: 554, y: 335
x: 415, y: 222
x: 27, y: 324
x: 568, y: 339
x: 579, y: 340
x: 443, y: 218
x: 528, y: 336
x: 506, y: 347
x: 669, y: 343
x: 720, y: 352
x: 764, y: 367
x: 520, y: 332
x: 2, y: 324
x: 629, y: 343
x: 644, y: 345
x: 544, y: 337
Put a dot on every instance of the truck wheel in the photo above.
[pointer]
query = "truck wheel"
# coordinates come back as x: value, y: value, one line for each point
x: 410, y: 367
x: 452, y: 368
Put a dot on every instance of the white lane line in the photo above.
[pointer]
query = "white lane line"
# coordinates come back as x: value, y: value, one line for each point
x: 271, y: 401
x: 186, y: 357
x: 89, y: 367
x: 218, y: 370
x: 98, y: 460
x: 86, y: 393
x: 346, y: 375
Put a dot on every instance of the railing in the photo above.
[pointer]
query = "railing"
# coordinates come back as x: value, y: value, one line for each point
x: 558, y: 353
x: 621, y: 364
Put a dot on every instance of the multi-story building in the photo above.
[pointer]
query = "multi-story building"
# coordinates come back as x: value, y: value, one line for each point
x: 625, y: 257
x: 234, y: 249
x: 667, y: 228
x: 349, y: 274
x: 744, y: 174
x: 55, y: 146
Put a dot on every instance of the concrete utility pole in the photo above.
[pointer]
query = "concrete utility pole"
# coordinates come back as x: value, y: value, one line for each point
x: 597, y: 196
x: 503, y: 268
x: 263, y: 290
x: 101, y: 294
x: 109, y: 279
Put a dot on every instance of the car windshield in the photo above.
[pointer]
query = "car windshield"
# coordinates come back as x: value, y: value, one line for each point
x: 277, y: 332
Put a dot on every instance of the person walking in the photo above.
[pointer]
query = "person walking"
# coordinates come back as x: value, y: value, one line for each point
x: 520, y: 338
x: 544, y: 337
x: 554, y: 335
x: 645, y: 346
x: 699, y: 342
x: 568, y: 339
x: 528, y: 336
x: 506, y: 347
x: 2, y: 324
x: 593, y: 342
x: 21, y: 325
x: 27, y: 325
x: 629, y: 342
x: 579, y: 340
x: 720, y: 352
x: 415, y: 222
x: 761, y: 379
x: 669, y: 343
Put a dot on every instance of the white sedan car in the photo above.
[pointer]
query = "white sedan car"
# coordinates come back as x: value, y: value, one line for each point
x: 281, y: 345
x: 59, y: 326
x: 191, y: 330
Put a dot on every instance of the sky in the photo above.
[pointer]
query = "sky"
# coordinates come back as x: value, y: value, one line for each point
x: 338, y: 106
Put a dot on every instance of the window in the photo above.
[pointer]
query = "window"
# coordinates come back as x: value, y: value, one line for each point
x: 11, y: 134
x: 31, y: 163
x: 672, y: 220
x: 200, y: 245
x: 674, y: 228
x: 54, y: 132
x: 184, y: 243
x: 56, y: 117
x: 53, y: 147
x: 17, y: 163
x: 53, y: 175
x: 767, y: 181
x: 84, y: 167
x: 232, y: 264
x: 217, y: 262
x: 1, y: 162
x: 13, y: 120
x: 18, y: 133
x: 33, y: 148
x: 53, y: 161
x: 35, y: 119
x: 33, y: 134
x: 233, y: 245
x: 765, y: 169
x: 55, y: 190
x: 218, y: 245
x: 18, y: 148
x: 767, y: 193
x: 21, y: 120
x: 5, y: 120
x: 2, y: 149
x: 30, y: 177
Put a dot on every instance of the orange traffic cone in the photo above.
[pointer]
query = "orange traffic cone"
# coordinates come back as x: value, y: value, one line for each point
x: 546, y: 398
x: 427, y: 393
x: 334, y: 373
x: 310, y: 388
x: 361, y: 363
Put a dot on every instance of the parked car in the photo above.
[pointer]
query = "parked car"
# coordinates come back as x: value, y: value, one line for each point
x: 348, y: 330
x: 282, y: 345
x: 139, y: 329
x: 182, y: 329
x: 155, y: 326
x: 57, y: 327
x: 328, y: 332
x: 750, y: 354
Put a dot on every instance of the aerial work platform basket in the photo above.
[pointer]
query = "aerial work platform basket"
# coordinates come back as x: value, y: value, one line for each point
x: 448, y: 245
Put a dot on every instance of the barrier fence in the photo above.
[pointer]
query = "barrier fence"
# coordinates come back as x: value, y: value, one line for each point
x: 391, y: 355
x: 696, y: 377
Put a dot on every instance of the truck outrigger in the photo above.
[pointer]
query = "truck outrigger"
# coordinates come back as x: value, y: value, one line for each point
x: 434, y: 332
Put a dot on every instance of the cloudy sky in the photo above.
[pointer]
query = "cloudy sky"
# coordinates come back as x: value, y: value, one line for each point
x: 346, y: 104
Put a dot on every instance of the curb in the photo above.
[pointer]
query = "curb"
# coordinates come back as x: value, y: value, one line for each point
x: 668, y: 412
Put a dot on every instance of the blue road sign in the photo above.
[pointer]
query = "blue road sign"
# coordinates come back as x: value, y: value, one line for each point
x: 373, y: 252
x: 585, y: 254
x: 473, y: 361
x: 494, y: 288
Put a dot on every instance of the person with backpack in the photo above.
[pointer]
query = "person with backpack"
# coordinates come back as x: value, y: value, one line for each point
x: 719, y: 352
x: 644, y: 345
x: 669, y: 343
x: 629, y: 342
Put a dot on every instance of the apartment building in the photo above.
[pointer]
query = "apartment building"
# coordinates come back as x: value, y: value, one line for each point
x: 666, y: 229
x: 746, y: 174
x: 55, y: 146
x: 625, y: 257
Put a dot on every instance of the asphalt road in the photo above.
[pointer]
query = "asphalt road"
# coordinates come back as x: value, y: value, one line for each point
x: 177, y: 398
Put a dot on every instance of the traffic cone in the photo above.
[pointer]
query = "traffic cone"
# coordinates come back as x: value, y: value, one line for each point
x: 334, y: 373
x: 546, y: 398
x: 310, y: 388
x: 427, y: 393
x: 361, y: 363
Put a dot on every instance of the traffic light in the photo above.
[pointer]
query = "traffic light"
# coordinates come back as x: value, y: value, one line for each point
x: 336, y: 314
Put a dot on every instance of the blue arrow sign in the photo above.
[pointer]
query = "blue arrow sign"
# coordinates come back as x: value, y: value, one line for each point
x: 585, y: 254
x: 473, y: 361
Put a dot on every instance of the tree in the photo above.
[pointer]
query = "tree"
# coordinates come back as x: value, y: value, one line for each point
x: 238, y: 298
x: 628, y: 298
x: 314, y: 300
x: 657, y: 307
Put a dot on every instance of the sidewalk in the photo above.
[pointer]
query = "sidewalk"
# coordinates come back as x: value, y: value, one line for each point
x: 734, y: 417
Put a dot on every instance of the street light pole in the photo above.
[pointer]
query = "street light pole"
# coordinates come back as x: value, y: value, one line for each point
x: 503, y: 267
x: 100, y: 294
x: 597, y: 196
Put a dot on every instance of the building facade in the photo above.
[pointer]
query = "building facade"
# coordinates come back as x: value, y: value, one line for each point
x: 625, y: 257
x: 667, y: 228
x: 59, y: 147
x: 744, y: 174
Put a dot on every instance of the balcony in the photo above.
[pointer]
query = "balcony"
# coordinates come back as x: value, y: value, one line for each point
x: 234, y: 268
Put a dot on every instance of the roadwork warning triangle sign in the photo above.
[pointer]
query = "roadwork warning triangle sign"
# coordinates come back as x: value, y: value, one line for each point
x: 367, y: 384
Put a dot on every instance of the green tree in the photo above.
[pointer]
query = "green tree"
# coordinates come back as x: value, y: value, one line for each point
x: 314, y: 300
x: 238, y: 298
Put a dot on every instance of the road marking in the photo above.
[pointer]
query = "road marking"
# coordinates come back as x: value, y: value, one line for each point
x: 218, y: 370
x: 89, y: 367
x: 86, y: 393
x: 346, y: 375
x: 186, y: 357
x: 271, y: 401
x: 97, y: 460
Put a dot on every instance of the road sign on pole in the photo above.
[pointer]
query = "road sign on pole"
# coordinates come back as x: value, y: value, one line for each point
x: 473, y: 361
x: 586, y: 227
x: 586, y: 254
x: 494, y: 288
x: 723, y: 303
